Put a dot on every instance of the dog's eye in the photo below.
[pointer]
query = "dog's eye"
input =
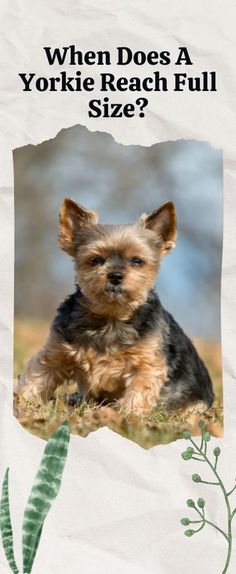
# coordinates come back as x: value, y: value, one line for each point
x: 136, y: 261
x: 97, y: 261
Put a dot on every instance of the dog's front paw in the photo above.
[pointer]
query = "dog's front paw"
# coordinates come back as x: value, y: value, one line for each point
x: 29, y: 391
x: 31, y: 394
x: 137, y: 403
x: 73, y: 399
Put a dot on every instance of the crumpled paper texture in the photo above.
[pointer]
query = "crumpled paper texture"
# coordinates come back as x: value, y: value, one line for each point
x: 119, y: 506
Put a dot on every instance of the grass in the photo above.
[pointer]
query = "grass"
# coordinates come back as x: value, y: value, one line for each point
x: 158, y: 428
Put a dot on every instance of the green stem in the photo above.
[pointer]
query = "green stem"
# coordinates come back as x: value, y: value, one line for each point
x: 198, y: 454
x: 230, y: 492
x: 233, y: 513
x: 207, y: 482
x: 202, y: 441
x: 195, y: 521
x: 229, y: 513
x: 201, y: 527
x: 229, y: 548
x: 208, y: 522
x: 200, y: 514
x: 217, y: 528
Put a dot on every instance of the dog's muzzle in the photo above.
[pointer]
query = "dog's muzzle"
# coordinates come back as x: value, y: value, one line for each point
x: 115, y: 277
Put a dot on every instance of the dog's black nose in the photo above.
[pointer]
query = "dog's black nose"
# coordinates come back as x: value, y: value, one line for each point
x: 115, y: 277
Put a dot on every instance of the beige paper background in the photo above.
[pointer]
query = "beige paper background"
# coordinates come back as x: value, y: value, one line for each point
x: 119, y: 507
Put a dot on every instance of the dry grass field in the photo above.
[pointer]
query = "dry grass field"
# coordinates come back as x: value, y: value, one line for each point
x: 158, y: 428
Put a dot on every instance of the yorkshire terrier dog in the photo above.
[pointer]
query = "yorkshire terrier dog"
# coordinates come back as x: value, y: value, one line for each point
x: 112, y: 336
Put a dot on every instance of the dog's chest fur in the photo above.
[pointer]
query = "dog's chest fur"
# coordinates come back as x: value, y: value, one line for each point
x: 111, y: 371
x: 108, y: 354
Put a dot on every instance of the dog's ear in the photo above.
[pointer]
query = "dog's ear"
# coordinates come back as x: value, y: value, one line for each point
x: 72, y: 218
x: 163, y: 222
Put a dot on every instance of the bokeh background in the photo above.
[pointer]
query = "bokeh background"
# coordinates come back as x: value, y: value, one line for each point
x: 120, y: 182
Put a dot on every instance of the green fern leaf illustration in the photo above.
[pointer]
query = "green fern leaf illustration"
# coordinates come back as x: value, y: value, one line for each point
x: 44, y: 491
x: 5, y: 525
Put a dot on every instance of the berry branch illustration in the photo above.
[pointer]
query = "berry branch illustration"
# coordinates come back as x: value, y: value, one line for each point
x: 200, y: 454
